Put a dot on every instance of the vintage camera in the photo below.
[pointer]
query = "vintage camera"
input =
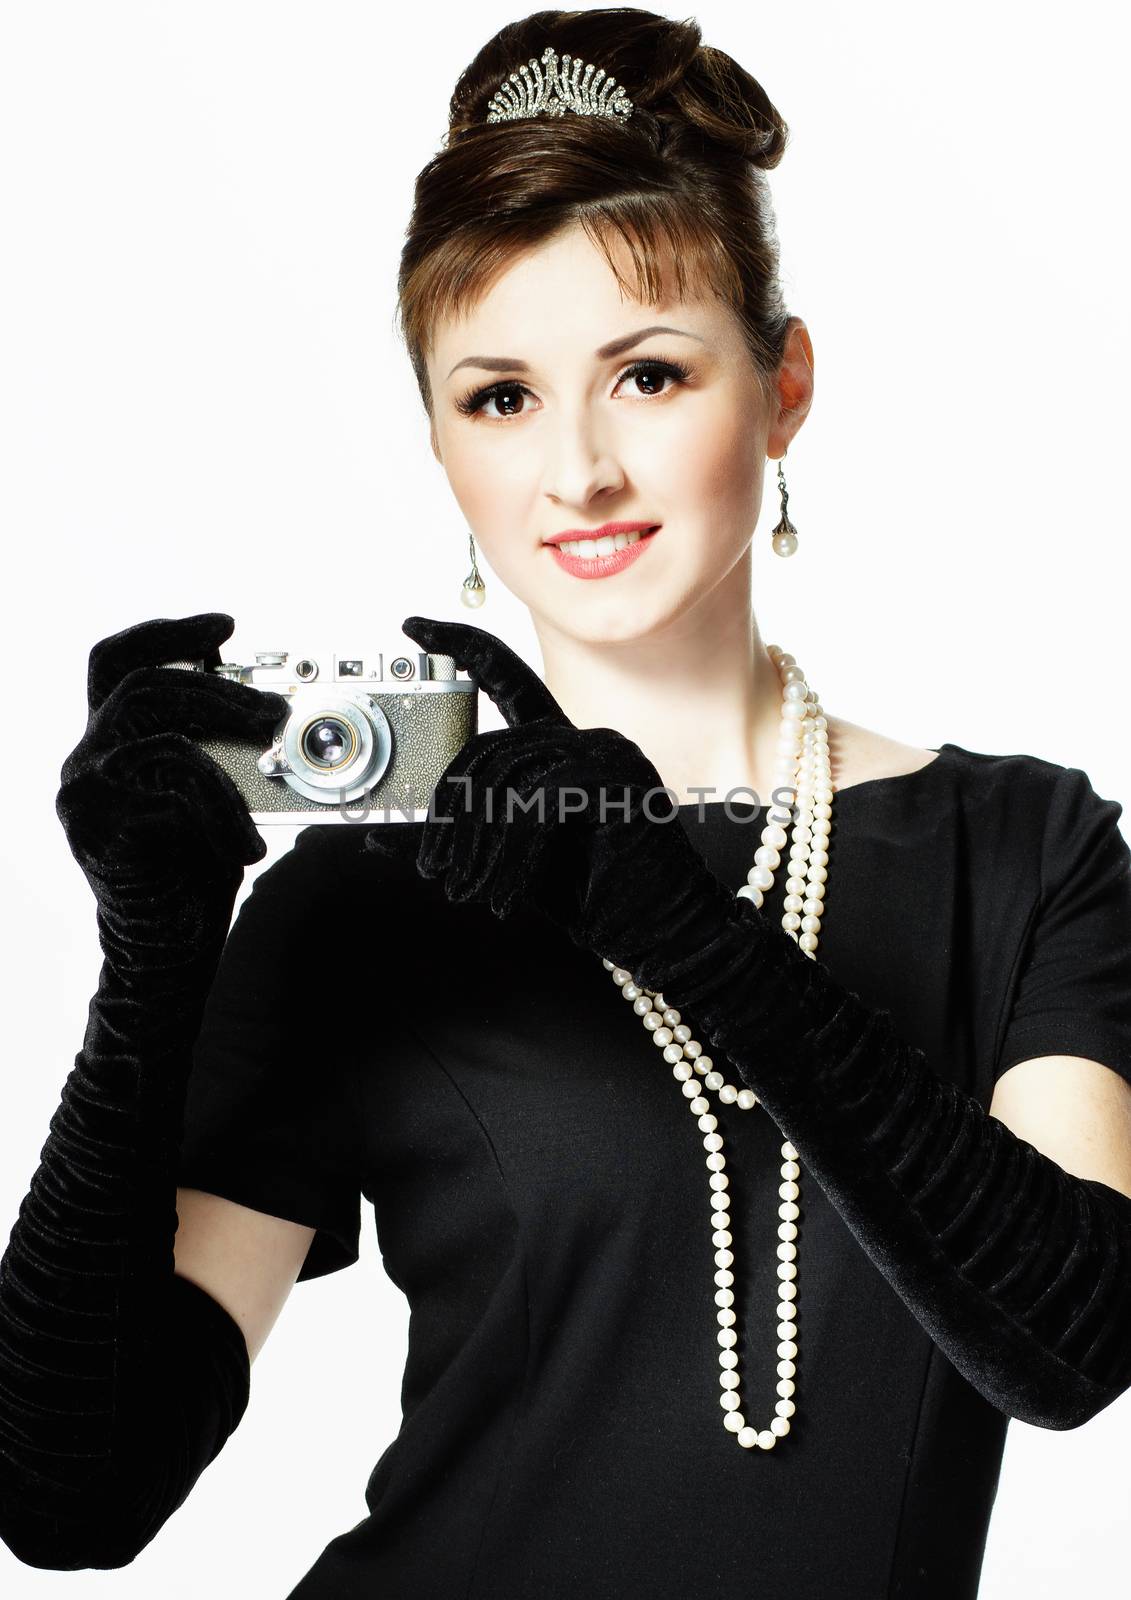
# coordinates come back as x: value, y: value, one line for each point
x: 363, y: 741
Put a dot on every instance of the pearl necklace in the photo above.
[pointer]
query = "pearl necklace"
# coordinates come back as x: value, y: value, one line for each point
x: 803, y: 767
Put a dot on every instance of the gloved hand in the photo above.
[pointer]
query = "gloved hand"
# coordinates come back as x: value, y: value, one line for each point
x: 592, y: 838
x: 120, y: 1381
x: 972, y: 1226
x: 160, y: 831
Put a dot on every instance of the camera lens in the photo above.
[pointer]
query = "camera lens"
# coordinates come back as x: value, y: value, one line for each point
x: 334, y: 741
x: 326, y: 741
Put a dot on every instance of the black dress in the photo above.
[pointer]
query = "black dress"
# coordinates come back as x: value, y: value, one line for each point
x: 541, y: 1199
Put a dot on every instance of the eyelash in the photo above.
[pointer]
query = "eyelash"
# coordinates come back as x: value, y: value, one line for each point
x: 472, y: 403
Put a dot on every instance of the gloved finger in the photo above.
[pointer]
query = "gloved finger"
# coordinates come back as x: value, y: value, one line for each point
x: 515, y: 778
x: 522, y: 865
x: 169, y: 764
x: 514, y: 686
x: 150, y: 643
x: 396, y: 841
x: 459, y: 791
x: 199, y: 704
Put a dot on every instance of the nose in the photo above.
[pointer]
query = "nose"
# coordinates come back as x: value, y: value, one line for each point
x: 581, y: 461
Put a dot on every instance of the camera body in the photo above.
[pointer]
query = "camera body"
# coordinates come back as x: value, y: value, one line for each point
x: 363, y: 741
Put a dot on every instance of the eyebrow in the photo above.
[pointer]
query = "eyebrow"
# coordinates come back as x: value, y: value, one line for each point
x: 615, y: 347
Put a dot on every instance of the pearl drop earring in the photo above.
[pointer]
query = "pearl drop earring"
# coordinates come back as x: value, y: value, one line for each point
x: 474, y: 590
x: 785, y: 534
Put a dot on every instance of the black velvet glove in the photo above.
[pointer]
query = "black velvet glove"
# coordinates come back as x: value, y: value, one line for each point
x: 119, y: 1380
x: 565, y: 818
x: 1019, y: 1271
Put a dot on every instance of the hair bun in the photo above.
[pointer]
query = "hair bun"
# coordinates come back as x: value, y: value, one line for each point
x: 704, y: 91
x: 679, y: 87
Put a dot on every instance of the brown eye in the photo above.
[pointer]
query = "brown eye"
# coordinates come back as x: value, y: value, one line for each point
x: 655, y: 372
x: 509, y: 399
x: 650, y: 377
x: 472, y: 404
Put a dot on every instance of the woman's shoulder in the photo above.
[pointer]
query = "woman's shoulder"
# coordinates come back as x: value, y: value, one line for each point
x: 1055, y: 791
x: 1018, y: 818
x: 863, y: 756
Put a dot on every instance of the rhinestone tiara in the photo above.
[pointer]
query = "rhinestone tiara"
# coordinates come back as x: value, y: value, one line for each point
x: 558, y: 92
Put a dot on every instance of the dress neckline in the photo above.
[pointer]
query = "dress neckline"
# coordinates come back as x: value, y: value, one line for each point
x: 941, y: 752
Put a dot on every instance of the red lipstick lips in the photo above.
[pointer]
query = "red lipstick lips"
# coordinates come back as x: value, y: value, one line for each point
x: 606, y: 529
x: 605, y: 566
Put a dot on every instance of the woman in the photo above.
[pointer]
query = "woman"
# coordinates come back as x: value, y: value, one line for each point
x: 905, y: 1147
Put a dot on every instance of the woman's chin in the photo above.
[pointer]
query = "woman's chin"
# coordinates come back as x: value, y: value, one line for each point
x: 612, y: 622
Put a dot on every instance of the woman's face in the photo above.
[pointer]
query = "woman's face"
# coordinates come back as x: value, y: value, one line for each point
x: 541, y: 426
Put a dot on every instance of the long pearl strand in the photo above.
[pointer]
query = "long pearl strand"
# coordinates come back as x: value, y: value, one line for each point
x: 803, y: 767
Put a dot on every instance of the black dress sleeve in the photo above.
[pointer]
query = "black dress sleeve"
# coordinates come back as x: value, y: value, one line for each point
x: 271, y: 1113
x: 1071, y: 992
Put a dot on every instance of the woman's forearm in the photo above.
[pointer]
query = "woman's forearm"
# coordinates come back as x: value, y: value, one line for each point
x: 1019, y: 1271
x: 119, y: 1380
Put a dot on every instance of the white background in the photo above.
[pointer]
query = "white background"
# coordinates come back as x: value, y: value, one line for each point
x: 203, y: 406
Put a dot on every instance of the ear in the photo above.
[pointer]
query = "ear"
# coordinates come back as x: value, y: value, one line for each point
x: 794, y: 389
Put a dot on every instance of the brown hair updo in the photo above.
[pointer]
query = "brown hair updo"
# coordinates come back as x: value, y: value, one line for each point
x: 679, y: 180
